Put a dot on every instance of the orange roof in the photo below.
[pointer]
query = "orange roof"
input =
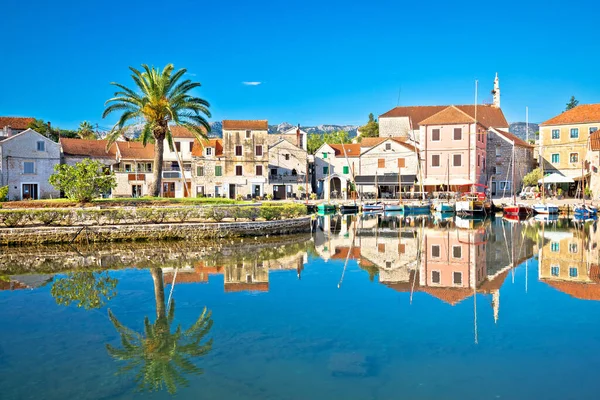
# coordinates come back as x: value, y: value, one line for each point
x: 583, y: 291
x: 12, y: 285
x: 246, y: 287
x: 415, y: 113
x: 582, y: 114
x: 136, y: 150
x: 450, y: 295
x: 595, y: 141
x: 487, y: 115
x: 260, y: 124
x: 185, y: 277
x: 89, y: 148
x: 352, y: 150
x: 183, y: 132
x: 342, y: 252
x: 198, y: 148
x: 16, y: 122
x: 518, y: 141
x: 449, y: 115
x: 495, y: 284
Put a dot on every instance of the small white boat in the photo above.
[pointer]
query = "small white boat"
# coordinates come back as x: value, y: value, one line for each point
x: 543, y: 208
x: 444, y: 207
x: 394, y: 207
x: 373, y: 207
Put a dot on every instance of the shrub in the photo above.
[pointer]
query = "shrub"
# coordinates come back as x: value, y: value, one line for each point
x: 250, y: 213
x: 3, y: 193
x: 217, y: 214
x: 15, y: 218
x: 269, y: 197
x: 182, y: 214
x: 269, y: 212
x: 313, y: 196
x: 239, y: 197
x: 237, y: 212
x: 588, y: 192
x: 47, y: 217
x: 532, y: 178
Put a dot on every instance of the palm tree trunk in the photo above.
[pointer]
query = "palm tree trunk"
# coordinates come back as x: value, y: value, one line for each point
x: 159, y: 292
x: 159, y: 144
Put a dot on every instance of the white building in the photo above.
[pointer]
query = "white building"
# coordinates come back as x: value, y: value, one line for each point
x: 335, y: 166
x: 287, y: 170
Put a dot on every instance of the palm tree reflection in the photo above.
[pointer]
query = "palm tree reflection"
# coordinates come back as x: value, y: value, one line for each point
x: 162, y: 358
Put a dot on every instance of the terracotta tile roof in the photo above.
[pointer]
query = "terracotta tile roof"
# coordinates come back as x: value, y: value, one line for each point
x: 136, y: 150
x: 261, y: 124
x: 487, y: 115
x: 595, y: 141
x: 246, y: 287
x: 495, y: 284
x: 198, y: 147
x: 352, y: 150
x: 181, y: 132
x: 450, y: 295
x: 449, y: 115
x: 371, y: 141
x: 12, y: 285
x: 88, y: 148
x: 579, y: 290
x: 415, y: 113
x: 582, y: 114
x: 518, y: 141
x: 16, y: 122
x: 342, y: 252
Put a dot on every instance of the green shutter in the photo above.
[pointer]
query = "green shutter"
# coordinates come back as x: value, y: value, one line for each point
x: 200, y: 171
x: 325, y: 170
x: 218, y: 171
x: 324, y: 155
x: 346, y: 170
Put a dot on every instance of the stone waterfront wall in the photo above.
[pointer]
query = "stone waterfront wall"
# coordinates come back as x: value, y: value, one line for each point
x: 135, y: 232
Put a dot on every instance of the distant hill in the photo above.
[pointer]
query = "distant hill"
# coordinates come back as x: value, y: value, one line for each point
x: 217, y: 128
x: 519, y: 129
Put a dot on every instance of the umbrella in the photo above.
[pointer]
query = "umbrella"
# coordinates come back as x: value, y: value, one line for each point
x: 555, y: 178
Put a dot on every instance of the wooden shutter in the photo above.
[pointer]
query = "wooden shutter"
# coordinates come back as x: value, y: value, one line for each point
x: 401, y: 163
x: 381, y: 163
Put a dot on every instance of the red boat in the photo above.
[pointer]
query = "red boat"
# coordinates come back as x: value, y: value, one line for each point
x: 517, y: 211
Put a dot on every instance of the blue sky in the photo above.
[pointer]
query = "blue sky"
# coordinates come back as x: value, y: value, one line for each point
x: 317, y: 61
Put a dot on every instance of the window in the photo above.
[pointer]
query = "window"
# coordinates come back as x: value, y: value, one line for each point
x: 555, y: 158
x: 259, y: 170
x: 435, y: 135
x: 574, y: 157
x: 148, y: 167
x: 593, y: 129
x: 494, y: 171
x: 388, y: 264
x: 238, y: 151
x: 457, y: 160
x: 401, y: 248
x: 325, y: 170
x: 287, y: 157
x: 200, y: 190
x: 573, y: 272
x: 555, y: 247
x: 435, y: 160
x: 217, y: 191
x: 239, y: 171
x: 572, y: 247
x: 346, y: 170
x: 127, y: 167
x: 41, y: 146
x: 457, y: 133
x: 381, y: 163
x: 178, y: 147
x: 435, y: 251
x: 555, y: 134
x: 200, y: 171
x: 381, y: 247
x: 191, y: 146
x: 457, y: 251
x: 258, y: 151
x: 574, y: 133
x: 436, y: 277
x: 273, y: 171
x: 248, y: 134
x: 209, y: 151
x: 478, y: 160
x: 555, y: 270
x: 324, y: 155
x: 498, y: 153
x: 504, y: 185
x: 29, y: 167
x: 218, y: 170
x: 457, y: 278
x: 388, y: 146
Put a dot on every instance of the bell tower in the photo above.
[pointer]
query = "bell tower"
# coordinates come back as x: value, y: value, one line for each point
x: 496, y: 92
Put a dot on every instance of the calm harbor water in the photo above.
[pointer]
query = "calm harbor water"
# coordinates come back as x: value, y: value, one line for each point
x: 364, y: 308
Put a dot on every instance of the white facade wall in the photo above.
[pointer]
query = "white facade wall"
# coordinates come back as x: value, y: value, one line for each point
x: 325, y: 157
x: 390, y: 151
x: 287, y: 167
x: 23, y: 148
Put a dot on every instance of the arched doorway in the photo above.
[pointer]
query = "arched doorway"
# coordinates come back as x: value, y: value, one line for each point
x: 335, y: 187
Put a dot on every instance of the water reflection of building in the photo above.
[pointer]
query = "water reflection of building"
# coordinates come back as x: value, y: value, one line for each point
x: 568, y: 262
x: 21, y: 282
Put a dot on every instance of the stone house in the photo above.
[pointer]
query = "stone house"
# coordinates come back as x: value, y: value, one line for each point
x: 500, y: 158
x: 12, y: 125
x: 208, y: 167
x: 27, y: 161
x: 384, y: 164
x: 246, y: 159
x: 335, y: 166
x: 134, y: 169
x: 403, y: 122
x: 77, y: 150
x: 564, y: 143
x: 294, y: 135
x: 287, y: 171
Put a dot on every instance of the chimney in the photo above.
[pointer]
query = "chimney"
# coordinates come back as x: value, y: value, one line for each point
x: 8, y: 132
x: 298, y: 137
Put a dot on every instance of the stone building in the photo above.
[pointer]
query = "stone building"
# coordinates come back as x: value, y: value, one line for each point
x: 287, y: 171
x: 134, y: 169
x: 208, y: 167
x: 27, y: 161
x: 500, y: 159
x: 74, y: 151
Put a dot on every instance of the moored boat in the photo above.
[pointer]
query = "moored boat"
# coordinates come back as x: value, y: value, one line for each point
x: 394, y: 207
x: 417, y: 208
x: 519, y: 210
x: 326, y: 208
x: 372, y: 207
x: 444, y: 207
x: 349, y: 208
x: 470, y: 207
x: 543, y: 208
x: 585, y: 211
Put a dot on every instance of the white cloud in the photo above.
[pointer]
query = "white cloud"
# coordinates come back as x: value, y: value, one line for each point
x: 254, y: 83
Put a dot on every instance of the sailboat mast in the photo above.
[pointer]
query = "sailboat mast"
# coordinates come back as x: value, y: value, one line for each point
x: 514, y: 193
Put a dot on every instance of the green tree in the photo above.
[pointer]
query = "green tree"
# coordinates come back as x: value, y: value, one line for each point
x: 314, y: 141
x: 49, y: 131
x: 161, y: 357
x: 532, y: 178
x: 162, y: 98
x: 83, y: 181
x: 85, y: 289
x: 86, y: 131
x: 572, y: 103
x: 371, y: 129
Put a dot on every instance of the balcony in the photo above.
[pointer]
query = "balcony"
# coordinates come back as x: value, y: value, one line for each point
x: 287, y: 178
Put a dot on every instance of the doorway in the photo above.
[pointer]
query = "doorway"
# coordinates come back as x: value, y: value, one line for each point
x: 29, y: 191
x: 232, y: 191
x: 493, y: 188
x: 168, y: 189
x: 278, y: 192
x: 256, y: 191
x: 136, y: 190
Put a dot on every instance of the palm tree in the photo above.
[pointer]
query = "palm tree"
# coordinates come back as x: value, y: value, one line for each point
x: 162, y: 357
x: 86, y: 131
x: 161, y: 99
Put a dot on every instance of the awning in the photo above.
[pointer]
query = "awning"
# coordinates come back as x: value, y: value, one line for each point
x: 585, y: 176
x: 460, y: 182
x: 555, y: 178
x: 387, y: 179
x: 433, y: 182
